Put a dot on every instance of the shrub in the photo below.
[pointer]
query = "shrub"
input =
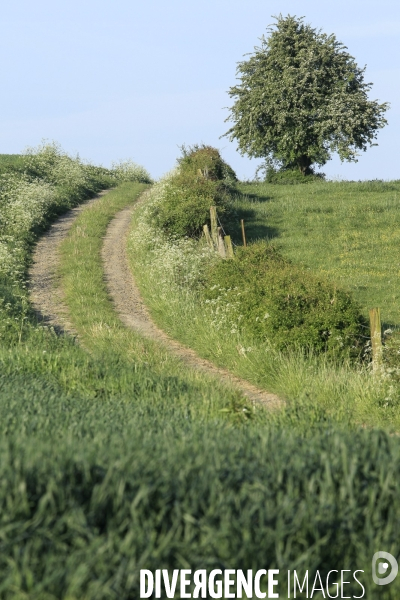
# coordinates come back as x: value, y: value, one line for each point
x: 209, y: 161
x: 284, y: 304
x: 185, y: 206
x: 75, y: 180
x: 200, y: 181
x: 127, y: 170
x: 287, y: 175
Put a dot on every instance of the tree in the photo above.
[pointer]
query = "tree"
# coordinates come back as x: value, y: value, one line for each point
x: 302, y: 97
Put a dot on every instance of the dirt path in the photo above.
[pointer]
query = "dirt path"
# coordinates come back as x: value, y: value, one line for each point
x: 133, y: 313
x: 48, y: 301
x: 45, y: 292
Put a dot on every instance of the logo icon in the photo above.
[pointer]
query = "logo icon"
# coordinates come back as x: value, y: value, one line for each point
x: 385, y: 559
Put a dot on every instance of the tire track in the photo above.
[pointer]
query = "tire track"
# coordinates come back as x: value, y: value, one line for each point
x: 45, y: 292
x: 47, y: 297
x: 133, y: 313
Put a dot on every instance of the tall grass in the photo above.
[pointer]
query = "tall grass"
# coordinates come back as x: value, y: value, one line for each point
x: 168, y: 271
x: 85, y: 508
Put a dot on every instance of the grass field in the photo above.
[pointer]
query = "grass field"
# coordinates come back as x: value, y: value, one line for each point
x: 346, y: 231
x: 113, y: 457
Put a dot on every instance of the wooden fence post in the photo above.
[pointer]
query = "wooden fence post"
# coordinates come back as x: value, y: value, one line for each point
x: 214, y: 226
x: 376, y: 337
x: 207, y: 235
x: 243, y: 233
x: 228, y: 247
x: 221, y: 245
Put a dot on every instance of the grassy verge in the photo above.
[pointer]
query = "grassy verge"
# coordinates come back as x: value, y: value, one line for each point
x: 313, y: 386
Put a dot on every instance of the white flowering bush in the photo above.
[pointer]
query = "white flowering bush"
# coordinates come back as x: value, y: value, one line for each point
x: 73, y: 178
x: 6, y: 258
x: 24, y: 205
x: 177, y: 263
x: 127, y: 170
x: 48, y: 181
x: 42, y: 183
x: 224, y: 308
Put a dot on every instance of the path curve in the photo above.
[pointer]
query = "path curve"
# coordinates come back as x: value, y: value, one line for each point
x: 133, y: 312
x: 47, y: 298
x: 45, y: 292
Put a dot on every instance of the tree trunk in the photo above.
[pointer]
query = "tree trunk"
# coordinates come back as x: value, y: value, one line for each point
x: 304, y: 164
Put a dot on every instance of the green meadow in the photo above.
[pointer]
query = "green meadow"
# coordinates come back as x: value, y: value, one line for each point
x: 348, y: 232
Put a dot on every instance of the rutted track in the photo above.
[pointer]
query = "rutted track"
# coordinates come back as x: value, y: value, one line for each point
x: 133, y: 313
x: 47, y: 297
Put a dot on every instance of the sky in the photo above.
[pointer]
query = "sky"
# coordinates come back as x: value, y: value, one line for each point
x: 119, y: 79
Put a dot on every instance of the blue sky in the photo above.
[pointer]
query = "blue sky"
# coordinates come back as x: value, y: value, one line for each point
x: 124, y: 79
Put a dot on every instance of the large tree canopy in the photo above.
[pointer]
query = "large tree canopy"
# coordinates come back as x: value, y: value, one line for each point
x: 302, y: 97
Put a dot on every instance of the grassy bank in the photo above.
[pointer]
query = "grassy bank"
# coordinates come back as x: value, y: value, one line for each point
x: 167, y: 271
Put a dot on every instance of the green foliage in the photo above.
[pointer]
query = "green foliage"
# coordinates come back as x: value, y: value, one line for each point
x: 127, y: 170
x: 208, y: 160
x: 74, y: 179
x: 119, y: 487
x: 201, y: 181
x: 391, y: 360
x: 288, y: 176
x: 11, y: 162
x: 185, y: 207
x: 284, y: 304
x: 301, y: 97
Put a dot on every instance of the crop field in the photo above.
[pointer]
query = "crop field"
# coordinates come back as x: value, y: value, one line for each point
x: 114, y: 456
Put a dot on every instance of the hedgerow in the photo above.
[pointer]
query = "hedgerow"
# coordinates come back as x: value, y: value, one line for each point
x: 202, y: 179
x: 127, y: 170
x: 284, y: 304
x: 44, y: 182
x: 259, y: 293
